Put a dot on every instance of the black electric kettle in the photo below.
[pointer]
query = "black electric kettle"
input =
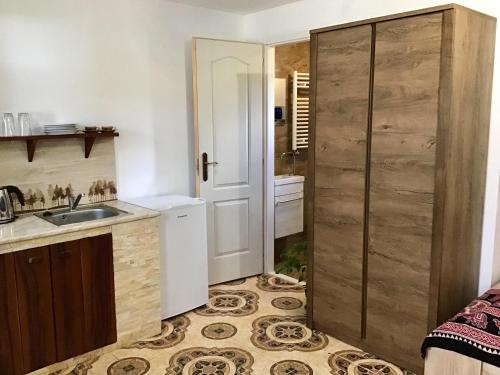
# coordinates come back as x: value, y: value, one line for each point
x: 7, y: 212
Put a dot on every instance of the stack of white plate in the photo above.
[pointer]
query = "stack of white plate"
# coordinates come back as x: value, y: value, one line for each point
x: 59, y: 129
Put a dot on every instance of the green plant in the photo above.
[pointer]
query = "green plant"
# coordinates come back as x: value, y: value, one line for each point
x: 294, y: 261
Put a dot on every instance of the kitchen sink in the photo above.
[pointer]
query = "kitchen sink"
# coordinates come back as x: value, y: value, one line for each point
x: 66, y: 216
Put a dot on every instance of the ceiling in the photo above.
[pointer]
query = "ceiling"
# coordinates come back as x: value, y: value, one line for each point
x: 236, y: 6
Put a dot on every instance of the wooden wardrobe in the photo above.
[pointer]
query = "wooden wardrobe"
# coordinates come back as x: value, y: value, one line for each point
x: 400, y: 112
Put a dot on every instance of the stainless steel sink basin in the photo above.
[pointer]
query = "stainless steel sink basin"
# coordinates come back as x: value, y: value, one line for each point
x: 80, y: 215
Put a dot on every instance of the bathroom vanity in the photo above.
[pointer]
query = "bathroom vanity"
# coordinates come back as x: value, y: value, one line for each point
x: 288, y: 205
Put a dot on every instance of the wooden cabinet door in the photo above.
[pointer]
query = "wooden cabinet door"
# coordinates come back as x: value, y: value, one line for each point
x: 10, y: 342
x: 67, y: 288
x: 98, y: 291
x: 84, y: 299
x: 36, y: 315
x: 342, y: 81
x: 405, y: 118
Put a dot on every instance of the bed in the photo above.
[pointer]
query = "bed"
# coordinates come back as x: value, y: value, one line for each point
x: 468, y: 343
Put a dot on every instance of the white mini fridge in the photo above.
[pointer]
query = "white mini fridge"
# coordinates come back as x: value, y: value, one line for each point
x: 183, y: 251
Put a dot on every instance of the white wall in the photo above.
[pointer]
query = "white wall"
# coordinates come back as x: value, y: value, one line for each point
x: 120, y: 62
x: 293, y: 21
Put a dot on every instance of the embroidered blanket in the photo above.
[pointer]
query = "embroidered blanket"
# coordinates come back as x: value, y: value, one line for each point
x: 474, y: 332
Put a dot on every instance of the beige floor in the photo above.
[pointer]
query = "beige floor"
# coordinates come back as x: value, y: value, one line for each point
x: 253, y: 326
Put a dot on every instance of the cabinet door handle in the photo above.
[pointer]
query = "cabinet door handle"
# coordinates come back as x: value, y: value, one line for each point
x: 34, y: 260
x: 63, y: 254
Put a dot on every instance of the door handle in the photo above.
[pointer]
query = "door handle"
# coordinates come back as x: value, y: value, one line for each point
x: 285, y: 202
x: 205, y: 163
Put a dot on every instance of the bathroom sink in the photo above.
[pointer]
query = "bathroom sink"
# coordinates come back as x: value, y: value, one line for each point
x: 285, y: 179
x: 80, y: 215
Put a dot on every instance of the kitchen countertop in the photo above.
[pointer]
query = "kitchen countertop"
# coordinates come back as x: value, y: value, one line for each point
x: 30, y: 227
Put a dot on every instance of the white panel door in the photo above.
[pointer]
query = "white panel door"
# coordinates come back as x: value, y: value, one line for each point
x: 228, y: 83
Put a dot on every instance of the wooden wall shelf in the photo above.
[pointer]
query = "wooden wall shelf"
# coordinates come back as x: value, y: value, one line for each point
x: 32, y: 140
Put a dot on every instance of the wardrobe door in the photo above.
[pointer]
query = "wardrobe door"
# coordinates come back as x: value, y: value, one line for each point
x: 405, y: 116
x: 341, y: 118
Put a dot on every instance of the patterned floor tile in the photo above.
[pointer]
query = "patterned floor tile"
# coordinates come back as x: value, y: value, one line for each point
x: 355, y: 362
x: 276, y: 332
x: 211, y: 361
x: 173, y: 332
x: 81, y: 369
x: 102, y: 365
x: 291, y: 367
x: 219, y: 331
x: 271, y: 283
x: 287, y: 303
x: 230, y: 302
x: 129, y: 366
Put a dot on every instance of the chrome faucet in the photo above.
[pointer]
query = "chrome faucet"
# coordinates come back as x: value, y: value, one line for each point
x: 290, y: 154
x: 74, y: 201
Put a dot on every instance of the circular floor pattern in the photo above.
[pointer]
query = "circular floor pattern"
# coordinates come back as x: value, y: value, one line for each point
x: 274, y: 333
x: 80, y: 369
x: 353, y: 362
x: 211, y: 361
x: 219, y: 331
x: 230, y: 303
x: 270, y: 283
x: 286, y: 303
x: 236, y: 282
x: 173, y: 332
x: 291, y: 367
x: 129, y: 366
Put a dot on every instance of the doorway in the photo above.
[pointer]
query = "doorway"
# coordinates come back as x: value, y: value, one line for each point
x: 284, y: 156
x: 289, y: 88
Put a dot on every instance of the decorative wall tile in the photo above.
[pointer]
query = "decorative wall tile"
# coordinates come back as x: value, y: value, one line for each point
x: 58, y: 170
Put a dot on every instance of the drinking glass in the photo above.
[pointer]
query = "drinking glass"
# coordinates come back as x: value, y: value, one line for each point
x: 9, y: 125
x: 24, y: 121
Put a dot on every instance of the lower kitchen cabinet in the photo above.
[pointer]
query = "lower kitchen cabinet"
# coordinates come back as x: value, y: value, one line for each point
x: 36, y: 313
x: 56, y: 302
x: 84, y: 295
x: 10, y: 343
x: 69, y: 312
x: 98, y: 291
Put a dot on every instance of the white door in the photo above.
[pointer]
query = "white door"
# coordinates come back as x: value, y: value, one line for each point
x: 228, y: 88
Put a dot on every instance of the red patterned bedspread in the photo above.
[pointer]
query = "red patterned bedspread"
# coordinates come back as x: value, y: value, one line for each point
x: 474, y: 332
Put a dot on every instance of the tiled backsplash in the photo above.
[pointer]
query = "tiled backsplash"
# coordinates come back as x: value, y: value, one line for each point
x: 59, y: 170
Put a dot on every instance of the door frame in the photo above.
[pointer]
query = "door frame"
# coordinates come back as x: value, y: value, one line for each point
x: 269, y: 74
x: 269, y: 154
